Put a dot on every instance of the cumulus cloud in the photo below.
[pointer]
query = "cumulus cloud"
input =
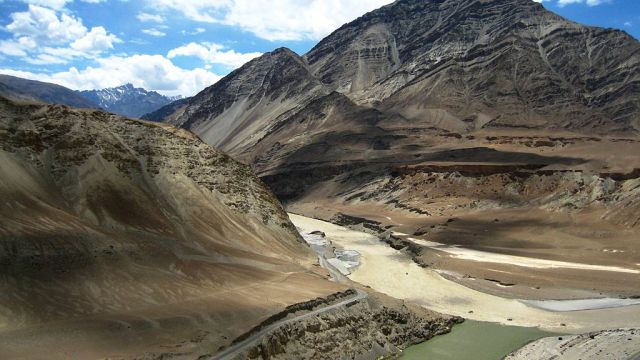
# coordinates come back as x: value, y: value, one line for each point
x: 152, y: 72
x: 43, y: 25
x: 95, y: 41
x: 275, y: 19
x: 213, y: 54
x: 39, y: 28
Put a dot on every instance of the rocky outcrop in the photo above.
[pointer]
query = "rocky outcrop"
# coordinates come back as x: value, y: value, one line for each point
x: 369, y: 329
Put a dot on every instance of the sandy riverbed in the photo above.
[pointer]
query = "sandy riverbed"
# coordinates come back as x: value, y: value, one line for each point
x: 391, y: 272
x: 522, y: 261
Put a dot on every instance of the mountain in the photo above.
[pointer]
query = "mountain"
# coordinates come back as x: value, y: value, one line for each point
x: 128, y: 100
x: 23, y: 89
x: 454, y: 65
x: 131, y: 239
x: 496, y: 63
x: 172, y: 109
x: 239, y: 108
x: 489, y: 124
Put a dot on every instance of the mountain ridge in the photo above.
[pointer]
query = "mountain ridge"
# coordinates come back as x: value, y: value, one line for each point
x: 452, y: 66
x: 23, y: 89
x: 128, y: 100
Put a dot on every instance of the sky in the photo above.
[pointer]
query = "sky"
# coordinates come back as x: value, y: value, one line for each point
x: 179, y: 47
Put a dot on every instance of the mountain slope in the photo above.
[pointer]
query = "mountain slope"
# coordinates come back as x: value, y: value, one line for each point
x: 479, y: 64
x: 127, y: 239
x: 172, y: 109
x: 23, y: 89
x: 497, y: 115
x: 238, y: 109
x: 496, y: 63
x: 127, y: 100
x: 112, y: 244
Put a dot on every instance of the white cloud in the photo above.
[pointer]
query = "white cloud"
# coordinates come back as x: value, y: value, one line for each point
x: 146, y: 17
x: 213, y: 54
x: 17, y: 47
x: 154, y: 32
x: 563, y: 3
x: 46, y: 59
x: 152, y: 72
x: 38, y: 28
x: 53, y: 4
x: 194, y: 32
x: 95, y: 41
x: 43, y: 25
x: 58, y: 4
x: 588, y: 2
x: 628, y: 24
x: 275, y: 19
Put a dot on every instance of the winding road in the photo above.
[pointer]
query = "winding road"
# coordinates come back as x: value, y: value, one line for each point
x: 235, y: 350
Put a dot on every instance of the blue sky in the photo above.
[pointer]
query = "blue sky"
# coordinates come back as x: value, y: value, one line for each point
x: 178, y: 47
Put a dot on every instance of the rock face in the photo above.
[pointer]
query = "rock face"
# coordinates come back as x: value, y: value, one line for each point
x: 23, y: 89
x: 369, y: 329
x: 127, y: 100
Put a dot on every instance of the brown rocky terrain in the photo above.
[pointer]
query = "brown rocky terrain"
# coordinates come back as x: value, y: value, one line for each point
x: 519, y: 125
x: 122, y: 238
x: 379, y: 324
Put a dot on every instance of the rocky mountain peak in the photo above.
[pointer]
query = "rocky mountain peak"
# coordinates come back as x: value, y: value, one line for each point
x: 273, y: 84
x: 511, y: 55
x: 127, y: 99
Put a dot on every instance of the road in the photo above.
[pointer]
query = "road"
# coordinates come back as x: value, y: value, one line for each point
x: 235, y: 350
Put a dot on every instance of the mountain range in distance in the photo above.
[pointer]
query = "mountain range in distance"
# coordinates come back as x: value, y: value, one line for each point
x: 128, y: 100
x: 125, y: 100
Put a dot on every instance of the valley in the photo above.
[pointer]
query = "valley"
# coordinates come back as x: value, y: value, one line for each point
x: 429, y: 164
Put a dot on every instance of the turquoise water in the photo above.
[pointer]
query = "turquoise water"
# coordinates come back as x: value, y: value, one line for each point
x: 474, y: 340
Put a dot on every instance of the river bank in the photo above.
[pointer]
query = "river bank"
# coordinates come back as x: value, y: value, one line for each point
x: 391, y: 272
